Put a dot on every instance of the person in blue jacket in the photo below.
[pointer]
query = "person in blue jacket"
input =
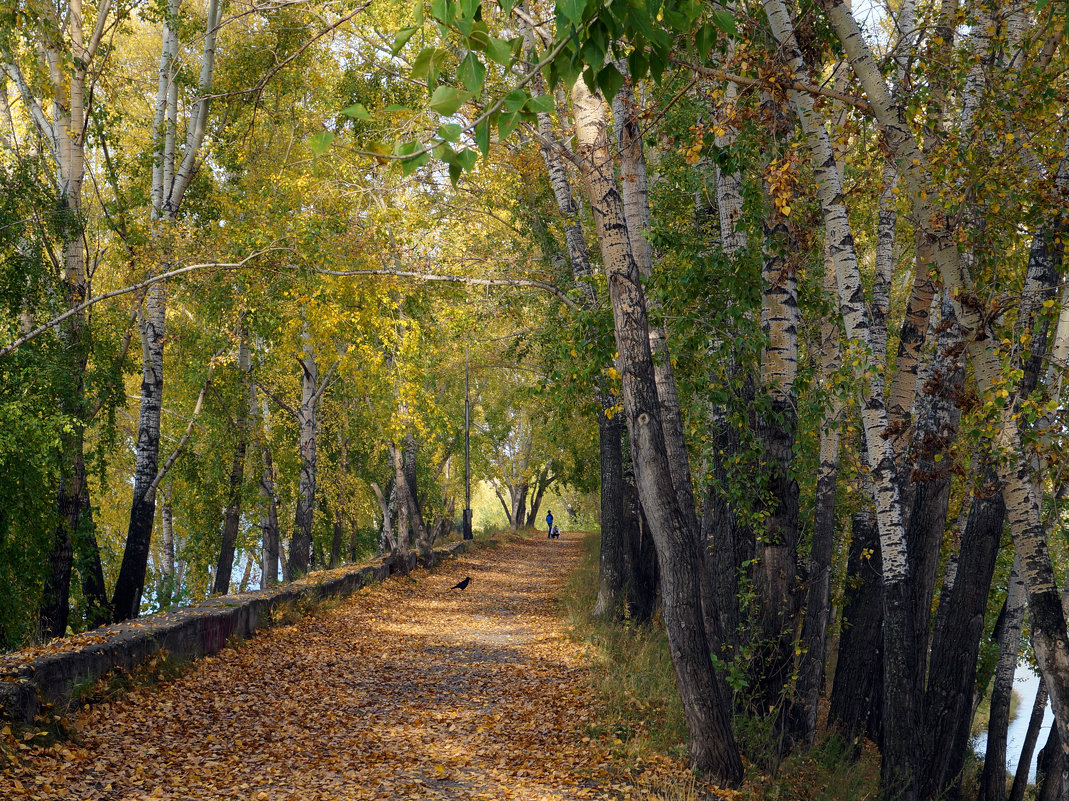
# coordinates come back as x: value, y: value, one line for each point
x: 549, y: 524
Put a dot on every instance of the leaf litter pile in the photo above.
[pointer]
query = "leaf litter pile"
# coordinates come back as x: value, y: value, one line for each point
x: 406, y: 690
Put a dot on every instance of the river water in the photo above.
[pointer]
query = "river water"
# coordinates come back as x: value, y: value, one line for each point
x: 1025, y: 683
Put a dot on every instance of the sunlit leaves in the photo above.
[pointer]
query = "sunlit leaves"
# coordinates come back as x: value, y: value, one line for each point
x: 319, y: 143
x: 402, y: 37
x: 472, y: 73
x: 357, y: 111
x: 446, y: 100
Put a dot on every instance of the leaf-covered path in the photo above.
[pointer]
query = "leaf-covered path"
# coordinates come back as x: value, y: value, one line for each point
x: 407, y: 690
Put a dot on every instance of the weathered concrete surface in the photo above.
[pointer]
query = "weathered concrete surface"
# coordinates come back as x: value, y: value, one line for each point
x: 49, y: 673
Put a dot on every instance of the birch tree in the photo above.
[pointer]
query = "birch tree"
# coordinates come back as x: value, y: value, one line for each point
x: 173, y: 167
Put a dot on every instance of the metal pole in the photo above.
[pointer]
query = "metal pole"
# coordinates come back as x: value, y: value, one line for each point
x: 467, y: 450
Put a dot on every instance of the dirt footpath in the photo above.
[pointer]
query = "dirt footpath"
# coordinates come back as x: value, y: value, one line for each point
x: 406, y: 690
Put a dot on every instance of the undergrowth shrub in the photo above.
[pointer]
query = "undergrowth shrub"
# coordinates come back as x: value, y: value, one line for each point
x: 640, y: 708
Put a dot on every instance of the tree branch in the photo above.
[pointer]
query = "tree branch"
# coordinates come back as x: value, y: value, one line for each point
x: 178, y: 449
x: 812, y: 89
x: 278, y: 401
x: 13, y: 346
x: 460, y: 279
x: 323, y: 384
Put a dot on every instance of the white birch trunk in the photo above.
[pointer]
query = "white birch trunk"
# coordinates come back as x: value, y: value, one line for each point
x: 901, y: 679
x: 712, y: 747
x: 1022, y: 505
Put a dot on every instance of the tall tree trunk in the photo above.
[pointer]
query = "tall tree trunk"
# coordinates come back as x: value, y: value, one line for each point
x: 542, y: 483
x: 401, y: 505
x: 1028, y: 748
x: 87, y: 560
x: 423, y: 542
x: 232, y: 516
x: 777, y: 547
x: 66, y: 57
x: 640, y: 557
x: 858, y: 684
x: 126, y: 600
x: 728, y: 541
x: 612, y: 567
x: 818, y: 600
x: 636, y: 208
x: 301, y: 542
x: 712, y: 745
x: 956, y: 647
x: 170, y: 180
x: 993, y: 778
x: 269, y: 532
x: 387, y: 541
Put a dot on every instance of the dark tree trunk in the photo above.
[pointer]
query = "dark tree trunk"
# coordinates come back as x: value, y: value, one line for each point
x: 270, y: 537
x: 818, y: 597
x: 411, y: 497
x: 640, y: 555
x: 542, y: 483
x: 55, y: 602
x: 301, y: 542
x: 612, y: 558
x: 232, y: 517
x: 1028, y: 748
x: 126, y: 600
x: 712, y: 746
x: 727, y: 543
x: 87, y: 559
x: 1049, y: 768
x: 519, y: 508
x: 956, y: 647
x: 777, y: 559
x: 858, y: 685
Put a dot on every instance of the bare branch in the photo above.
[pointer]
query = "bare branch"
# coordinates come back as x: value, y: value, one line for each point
x: 10, y: 348
x: 459, y: 279
x: 278, y: 401
x: 178, y: 449
x: 812, y: 89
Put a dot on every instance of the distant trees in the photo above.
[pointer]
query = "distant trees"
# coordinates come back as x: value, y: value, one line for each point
x: 796, y: 287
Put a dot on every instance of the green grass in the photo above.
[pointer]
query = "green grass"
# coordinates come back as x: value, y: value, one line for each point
x: 639, y: 707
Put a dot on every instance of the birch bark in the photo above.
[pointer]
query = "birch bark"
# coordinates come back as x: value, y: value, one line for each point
x: 712, y: 746
x: 1050, y: 639
x: 901, y: 674
x: 66, y: 52
x: 232, y: 515
x: 818, y: 602
x: 171, y: 179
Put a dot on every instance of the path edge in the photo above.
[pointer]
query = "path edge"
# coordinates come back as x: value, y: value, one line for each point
x: 185, y: 633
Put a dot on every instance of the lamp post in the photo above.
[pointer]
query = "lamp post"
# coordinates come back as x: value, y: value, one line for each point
x: 467, y: 450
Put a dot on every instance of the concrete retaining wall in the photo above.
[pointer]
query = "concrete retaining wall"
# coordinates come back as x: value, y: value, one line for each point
x: 31, y: 678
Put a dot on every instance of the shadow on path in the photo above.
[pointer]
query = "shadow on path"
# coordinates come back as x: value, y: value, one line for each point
x: 406, y: 690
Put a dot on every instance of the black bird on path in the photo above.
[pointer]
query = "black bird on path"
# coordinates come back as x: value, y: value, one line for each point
x: 461, y: 584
